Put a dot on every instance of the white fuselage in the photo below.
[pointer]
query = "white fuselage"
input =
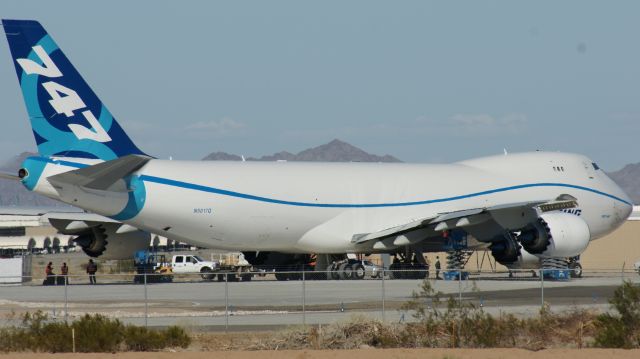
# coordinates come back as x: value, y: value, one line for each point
x: 319, y: 207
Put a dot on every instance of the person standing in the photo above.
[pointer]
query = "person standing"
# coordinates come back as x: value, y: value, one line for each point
x: 50, y: 276
x: 64, y: 271
x: 438, y: 267
x: 92, y: 268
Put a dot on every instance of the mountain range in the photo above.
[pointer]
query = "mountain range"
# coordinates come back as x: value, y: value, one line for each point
x: 334, y: 151
x: 628, y: 178
x: 14, y: 194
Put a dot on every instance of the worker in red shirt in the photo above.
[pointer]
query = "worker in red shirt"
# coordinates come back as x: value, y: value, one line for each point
x: 48, y: 271
x: 64, y: 270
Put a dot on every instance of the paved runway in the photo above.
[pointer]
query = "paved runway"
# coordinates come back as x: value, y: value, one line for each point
x: 271, y: 303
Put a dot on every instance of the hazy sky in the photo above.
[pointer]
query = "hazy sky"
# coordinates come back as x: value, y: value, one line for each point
x: 424, y: 81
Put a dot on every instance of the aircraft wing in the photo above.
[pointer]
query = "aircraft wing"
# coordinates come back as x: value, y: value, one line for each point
x: 510, y: 216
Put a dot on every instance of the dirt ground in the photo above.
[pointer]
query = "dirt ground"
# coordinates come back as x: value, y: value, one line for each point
x: 361, y: 354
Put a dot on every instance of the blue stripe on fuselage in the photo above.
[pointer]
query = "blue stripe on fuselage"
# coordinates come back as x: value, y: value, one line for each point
x: 201, y: 188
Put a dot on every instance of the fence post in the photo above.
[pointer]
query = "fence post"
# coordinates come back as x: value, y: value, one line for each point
x: 383, y: 297
x: 226, y: 302
x: 622, y: 278
x: 66, y: 301
x: 541, y: 288
x: 460, y: 288
x: 146, y: 303
x: 304, y: 299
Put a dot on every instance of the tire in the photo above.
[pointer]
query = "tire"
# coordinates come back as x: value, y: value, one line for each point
x: 393, y: 271
x: 206, y: 273
x: 421, y: 271
x: 281, y: 276
x: 317, y: 276
x: 358, y: 271
x: 346, y: 271
x: 399, y: 272
x: 246, y: 277
x: 335, y: 273
x: 576, y: 270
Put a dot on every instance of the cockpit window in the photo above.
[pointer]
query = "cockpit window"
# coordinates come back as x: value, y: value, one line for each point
x: 595, y: 166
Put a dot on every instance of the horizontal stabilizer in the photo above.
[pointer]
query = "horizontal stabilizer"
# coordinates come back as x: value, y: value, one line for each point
x: 102, y: 175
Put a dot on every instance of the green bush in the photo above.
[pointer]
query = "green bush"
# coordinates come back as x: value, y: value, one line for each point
x: 93, y: 333
x: 176, y: 337
x: 621, y: 330
x: 141, y: 339
x: 97, y: 333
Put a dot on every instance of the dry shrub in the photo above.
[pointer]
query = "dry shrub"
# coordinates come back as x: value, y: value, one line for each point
x: 94, y: 333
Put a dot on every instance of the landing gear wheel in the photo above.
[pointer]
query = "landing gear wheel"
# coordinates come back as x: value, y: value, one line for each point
x: 576, y: 270
x: 333, y: 272
x: 393, y: 271
x: 358, y: 271
x: 421, y: 272
x: 295, y: 273
x: 282, y: 276
x: 346, y: 272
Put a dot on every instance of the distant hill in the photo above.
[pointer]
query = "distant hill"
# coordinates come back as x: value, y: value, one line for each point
x: 221, y: 156
x: 334, y: 151
x: 629, y: 179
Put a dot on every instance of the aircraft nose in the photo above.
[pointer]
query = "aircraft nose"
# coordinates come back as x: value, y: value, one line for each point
x: 623, y: 208
x: 626, y: 211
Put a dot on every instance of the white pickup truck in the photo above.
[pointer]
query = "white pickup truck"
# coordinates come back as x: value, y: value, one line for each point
x: 189, y: 263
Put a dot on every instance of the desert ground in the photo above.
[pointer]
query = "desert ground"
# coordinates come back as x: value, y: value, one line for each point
x: 359, y: 354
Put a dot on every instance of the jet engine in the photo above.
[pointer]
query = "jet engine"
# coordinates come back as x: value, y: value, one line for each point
x: 556, y: 235
x: 107, y: 244
x: 525, y: 260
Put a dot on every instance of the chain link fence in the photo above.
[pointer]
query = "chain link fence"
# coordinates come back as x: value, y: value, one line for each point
x: 226, y: 302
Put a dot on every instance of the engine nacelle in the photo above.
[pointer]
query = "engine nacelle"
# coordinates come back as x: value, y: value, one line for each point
x: 525, y: 260
x: 105, y: 243
x: 556, y: 235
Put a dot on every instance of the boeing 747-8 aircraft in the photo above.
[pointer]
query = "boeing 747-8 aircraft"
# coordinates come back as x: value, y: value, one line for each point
x: 526, y: 206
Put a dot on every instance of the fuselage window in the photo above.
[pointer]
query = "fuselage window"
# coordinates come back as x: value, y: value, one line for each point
x: 595, y: 166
